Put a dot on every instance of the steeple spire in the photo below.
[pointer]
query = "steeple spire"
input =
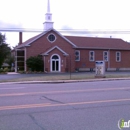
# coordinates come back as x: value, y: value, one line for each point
x: 48, y: 7
x: 48, y: 24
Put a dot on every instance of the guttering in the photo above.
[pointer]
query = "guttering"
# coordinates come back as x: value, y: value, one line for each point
x: 98, y: 48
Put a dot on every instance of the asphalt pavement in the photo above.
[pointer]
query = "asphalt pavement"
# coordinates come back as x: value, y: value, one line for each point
x: 71, y: 106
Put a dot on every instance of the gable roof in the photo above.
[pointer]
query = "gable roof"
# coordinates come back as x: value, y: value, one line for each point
x: 55, y: 47
x: 84, y: 42
x: 31, y: 40
x: 99, y: 43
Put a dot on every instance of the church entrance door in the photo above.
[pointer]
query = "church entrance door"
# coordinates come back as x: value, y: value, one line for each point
x: 55, y: 63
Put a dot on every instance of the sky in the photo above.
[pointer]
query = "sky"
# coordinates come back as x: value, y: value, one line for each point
x: 93, y: 16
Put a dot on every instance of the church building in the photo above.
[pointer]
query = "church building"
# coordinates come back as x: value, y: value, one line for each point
x: 71, y: 53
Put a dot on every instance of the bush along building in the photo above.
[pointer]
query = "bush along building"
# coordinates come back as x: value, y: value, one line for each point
x: 71, y: 53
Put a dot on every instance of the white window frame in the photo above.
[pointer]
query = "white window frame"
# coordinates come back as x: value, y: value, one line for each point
x: 78, y: 56
x: 105, y: 57
x: 118, y: 52
x: 54, y: 36
x: 59, y: 60
x: 92, y: 56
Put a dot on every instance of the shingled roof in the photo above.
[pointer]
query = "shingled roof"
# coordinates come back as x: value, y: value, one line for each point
x: 28, y: 41
x: 86, y: 42
x: 31, y: 40
x: 99, y: 43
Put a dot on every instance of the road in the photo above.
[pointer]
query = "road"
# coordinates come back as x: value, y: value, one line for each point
x: 68, y: 106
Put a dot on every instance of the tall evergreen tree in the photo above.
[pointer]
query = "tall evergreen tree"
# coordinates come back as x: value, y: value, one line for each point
x: 5, y: 50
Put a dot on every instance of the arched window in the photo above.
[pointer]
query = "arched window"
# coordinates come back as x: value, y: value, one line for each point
x: 55, y: 57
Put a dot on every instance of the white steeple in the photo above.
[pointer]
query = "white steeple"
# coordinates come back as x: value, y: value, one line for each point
x: 48, y: 24
x: 48, y: 7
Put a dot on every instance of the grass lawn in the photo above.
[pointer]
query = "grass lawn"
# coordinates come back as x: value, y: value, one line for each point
x: 73, y: 76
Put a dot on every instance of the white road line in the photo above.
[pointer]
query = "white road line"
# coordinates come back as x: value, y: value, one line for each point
x: 64, y: 91
x: 56, y: 105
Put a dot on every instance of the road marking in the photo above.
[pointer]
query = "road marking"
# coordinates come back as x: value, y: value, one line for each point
x: 67, y: 91
x: 13, y: 88
x: 55, y: 105
x: 23, y: 106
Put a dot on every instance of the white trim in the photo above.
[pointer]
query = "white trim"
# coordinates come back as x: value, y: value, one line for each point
x: 65, y: 38
x: 119, y: 56
x: 100, y: 48
x: 59, y: 61
x: 93, y: 56
x: 106, y: 60
x: 36, y: 38
x: 55, y: 47
x: 79, y: 55
x: 49, y: 35
x: 42, y: 34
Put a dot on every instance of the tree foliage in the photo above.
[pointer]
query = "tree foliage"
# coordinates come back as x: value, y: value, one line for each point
x: 9, y: 60
x: 5, y: 50
x: 35, y: 63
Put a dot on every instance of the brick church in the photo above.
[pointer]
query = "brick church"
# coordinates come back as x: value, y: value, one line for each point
x: 71, y: 53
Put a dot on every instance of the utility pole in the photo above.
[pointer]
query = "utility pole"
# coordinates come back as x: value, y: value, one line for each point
x: 70, y: 66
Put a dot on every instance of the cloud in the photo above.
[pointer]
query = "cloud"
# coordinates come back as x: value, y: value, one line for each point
x: 67, y: 30
x: 9, y: 25
x: 7, y: 28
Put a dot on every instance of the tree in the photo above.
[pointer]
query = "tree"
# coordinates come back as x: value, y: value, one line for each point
x: 35, y: 63
x: 5, y: 50
x: 10, y: 60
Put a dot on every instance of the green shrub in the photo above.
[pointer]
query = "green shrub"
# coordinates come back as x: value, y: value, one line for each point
x: 21, y: 72
x: 1, y: 70
x: 5, y: 70
x: 35, y: 63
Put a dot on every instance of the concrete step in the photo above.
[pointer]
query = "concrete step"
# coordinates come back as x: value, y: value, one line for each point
x: 12, y: 73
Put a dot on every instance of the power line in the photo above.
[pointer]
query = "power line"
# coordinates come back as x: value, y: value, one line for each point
x: 84, y: 31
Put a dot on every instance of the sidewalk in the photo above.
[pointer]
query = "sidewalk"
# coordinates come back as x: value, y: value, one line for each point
x: 66, y: 81
x: 12, y: 73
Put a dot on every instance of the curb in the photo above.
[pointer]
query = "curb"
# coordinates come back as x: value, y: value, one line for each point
x: 65, y: 81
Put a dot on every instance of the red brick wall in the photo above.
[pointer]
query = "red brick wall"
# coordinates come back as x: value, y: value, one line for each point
x: 84, y: 59
x: 48, y: 60
x: 85, y: 63
x: 125, y: 60
x: 42, y: 45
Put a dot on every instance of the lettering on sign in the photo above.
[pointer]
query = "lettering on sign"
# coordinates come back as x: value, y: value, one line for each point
x: 99, y: 70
